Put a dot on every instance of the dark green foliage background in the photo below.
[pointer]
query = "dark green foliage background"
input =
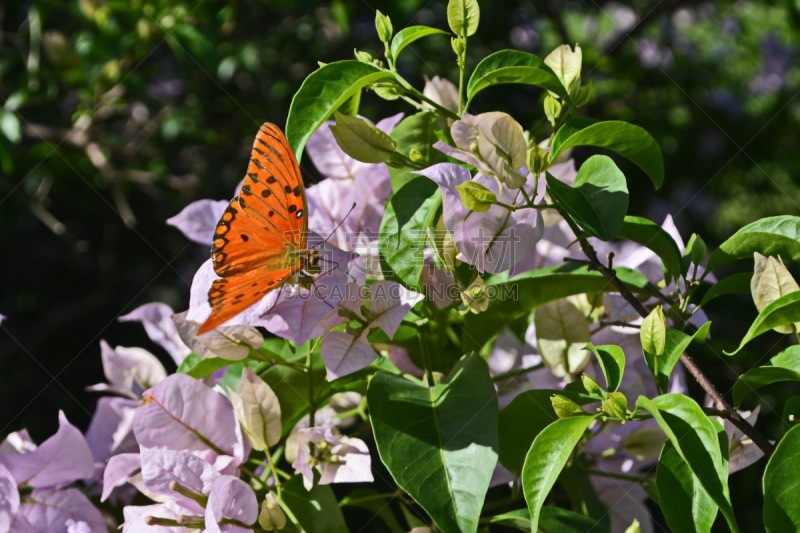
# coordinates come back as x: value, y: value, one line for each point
x: 115, y: 115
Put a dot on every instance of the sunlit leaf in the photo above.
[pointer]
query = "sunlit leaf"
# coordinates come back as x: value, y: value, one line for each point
x: 598, y: 199
x: 695, y: 438
x: 776, y: 236
x: 403, y: 233
x: 685, y: 503
x: 548, y: 454
x: 463, y: 16
x: 629, y: 141
x: 781, y: 504
x: 441, y: 457
x: 612, y: 363
x: 408, y: 35
x: 649, y: 234
x: 783, y: 367
x: 324, y: 91
x: 785, y: 310
x: 513, y: 66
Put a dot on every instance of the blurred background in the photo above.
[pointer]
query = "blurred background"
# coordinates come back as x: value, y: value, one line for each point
x: 115, y: 115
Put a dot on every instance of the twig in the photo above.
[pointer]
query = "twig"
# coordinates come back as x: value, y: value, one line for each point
x: 611, y: 276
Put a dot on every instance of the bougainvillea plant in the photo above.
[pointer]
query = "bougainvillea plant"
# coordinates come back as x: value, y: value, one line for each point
x: 490, y: 340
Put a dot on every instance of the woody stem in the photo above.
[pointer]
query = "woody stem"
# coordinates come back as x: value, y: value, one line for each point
x: 611, y: 276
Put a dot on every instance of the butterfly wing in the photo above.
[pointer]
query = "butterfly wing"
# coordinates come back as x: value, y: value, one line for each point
x: 260, y: 239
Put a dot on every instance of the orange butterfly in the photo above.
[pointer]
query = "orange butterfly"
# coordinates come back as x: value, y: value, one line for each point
x: 260, y: 242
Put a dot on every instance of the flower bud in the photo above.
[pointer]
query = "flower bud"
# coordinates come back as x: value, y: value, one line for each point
x: 475, y: 297
x: 459, y: 45
x: 564, y: 407
x: 271, y: 516
x: 363, y: 57
x: 552, y: 109
x: 583, y: 94
x: 538, y: 158
x: 616, y: 406
x: 476, y: 197
x: 384, y: 27
x: 653, y: 332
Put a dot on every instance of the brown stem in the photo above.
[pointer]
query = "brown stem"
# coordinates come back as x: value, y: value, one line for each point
x: 731, y: 414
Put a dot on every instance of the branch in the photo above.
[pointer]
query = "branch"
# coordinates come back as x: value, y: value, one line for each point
x: 611, y: 276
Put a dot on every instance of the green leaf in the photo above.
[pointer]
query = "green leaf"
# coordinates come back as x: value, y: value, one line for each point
x: 653, y: 333
x: 518, y: 519
x: 233, y: 374
x: 403, y: 232
x: 419, y: 132
x: 695, y: 252
x: 771, y: 280
x: 324, y: 91
x: 558, y: 520
x: 676, y: 343
x: 200, y: 367
x: 733, y: 284
x: 439, y: 443
x: 783, y: 367
x: 591, y: 386
x: 408, y: 35
x: 696, y: 440
x: 629, y: 141
x: 476, y: 197
x: 551, y: 520
x: 317, y: 509
x: 361, y: 140
x: 785, y: 310
x: 564, y: 407
x: 463, y: 16
x: 291, y: 386
x: 685, y: 503
x: 616, y: 406
x: 781, y: 483
x: 598, y: 200
x: 524, y: 418
x: 548, y: 454
x: 791, y: 412
x: 577, y: 487
x: 514, y: 298
x: 371, y: 500
x: 612, y: 362
x: 775, y: 236
x: 512, y: 66
x: 651, y: 235
x: 383, y: 25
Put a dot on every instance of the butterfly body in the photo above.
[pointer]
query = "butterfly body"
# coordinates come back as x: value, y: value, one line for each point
x: 260, y: 242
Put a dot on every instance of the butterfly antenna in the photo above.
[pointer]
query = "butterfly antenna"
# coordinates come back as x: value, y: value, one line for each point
x: 326, y: 239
